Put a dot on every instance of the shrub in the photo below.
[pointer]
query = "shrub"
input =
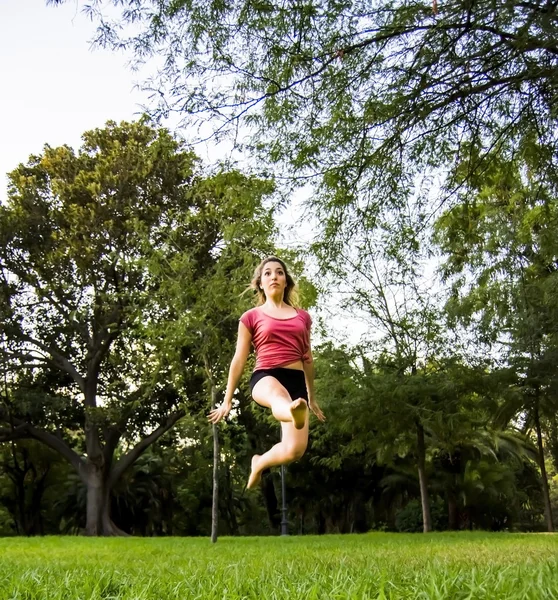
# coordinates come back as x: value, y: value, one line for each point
x: 409, y: 518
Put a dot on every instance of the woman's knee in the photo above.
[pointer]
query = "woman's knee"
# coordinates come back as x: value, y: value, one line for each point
x: 295, y: 451
x: 279, y: 404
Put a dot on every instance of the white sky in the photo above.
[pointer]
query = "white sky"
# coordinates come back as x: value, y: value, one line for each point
x: 54, y: 86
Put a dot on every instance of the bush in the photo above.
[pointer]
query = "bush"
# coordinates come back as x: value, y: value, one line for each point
x: 409, y: 518
x: 6, y: 522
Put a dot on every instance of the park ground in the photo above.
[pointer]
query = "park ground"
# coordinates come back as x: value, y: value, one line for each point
x: 358, y: 567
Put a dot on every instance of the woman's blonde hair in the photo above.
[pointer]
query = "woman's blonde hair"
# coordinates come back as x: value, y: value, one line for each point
x: 290, y: 295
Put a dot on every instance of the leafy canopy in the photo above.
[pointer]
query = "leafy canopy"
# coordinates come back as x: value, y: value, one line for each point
x: 362, y: 94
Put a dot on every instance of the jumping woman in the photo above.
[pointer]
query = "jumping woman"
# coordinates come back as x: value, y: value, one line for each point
x: 283, y: 379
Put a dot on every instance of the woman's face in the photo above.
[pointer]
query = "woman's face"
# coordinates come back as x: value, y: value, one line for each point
x: 273, y: 280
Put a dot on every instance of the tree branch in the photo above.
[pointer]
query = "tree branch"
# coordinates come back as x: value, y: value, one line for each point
x: 128, y: 459
x: 24, y: 430
x: 58, y: 359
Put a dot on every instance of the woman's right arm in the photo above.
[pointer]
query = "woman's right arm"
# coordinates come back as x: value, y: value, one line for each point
x: 243, y: 343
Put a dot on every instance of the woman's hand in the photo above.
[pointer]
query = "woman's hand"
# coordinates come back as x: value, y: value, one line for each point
x: 219, y: 413
x: 313, y: 405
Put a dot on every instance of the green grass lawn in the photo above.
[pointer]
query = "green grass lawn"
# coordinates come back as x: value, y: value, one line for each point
x: 375, y: 565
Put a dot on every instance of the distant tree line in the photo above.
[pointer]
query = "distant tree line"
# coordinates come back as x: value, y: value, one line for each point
x: 428, y: 136
x: 123, y: 272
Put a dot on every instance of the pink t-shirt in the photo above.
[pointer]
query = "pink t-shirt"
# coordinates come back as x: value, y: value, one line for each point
x: 278, y: 341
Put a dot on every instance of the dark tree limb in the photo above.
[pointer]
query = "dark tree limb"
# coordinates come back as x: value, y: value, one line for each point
x: 128, y: 459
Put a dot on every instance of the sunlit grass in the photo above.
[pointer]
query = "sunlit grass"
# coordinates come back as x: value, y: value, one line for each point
x: 371, y: 566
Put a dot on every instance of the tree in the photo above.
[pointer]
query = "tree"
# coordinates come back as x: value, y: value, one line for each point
x: 330, y: 486
x: 501, y: 254
x: 33, y: 477
x: 362, y: 95
x: 378, y: 102
x: 80, y: 238
x: 381, y: 275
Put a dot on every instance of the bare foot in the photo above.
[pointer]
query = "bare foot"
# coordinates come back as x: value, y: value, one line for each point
x: 256, y: 474
x: 299, y: 409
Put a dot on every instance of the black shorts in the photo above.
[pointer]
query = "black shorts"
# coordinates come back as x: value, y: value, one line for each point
x: 292, y: 380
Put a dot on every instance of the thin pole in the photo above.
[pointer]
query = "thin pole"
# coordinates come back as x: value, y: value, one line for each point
x: 215, y: 430
x: 215, y: 502
x: 284, y: 520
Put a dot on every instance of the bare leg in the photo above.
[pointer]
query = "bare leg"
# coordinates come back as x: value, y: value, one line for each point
x: 291, y: 447
x: 294, y: 427
x: 270, y: 393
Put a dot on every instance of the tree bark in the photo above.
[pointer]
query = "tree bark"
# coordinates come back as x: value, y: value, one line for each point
x: 546, y: 494
x: 97, y: 471
x: 39, y: 485
x: 552, y: 440
x: 424, y: 498
x: 230, y: 512
x: 95, y: 499
x: 215, y: 500
x: 98, y: 521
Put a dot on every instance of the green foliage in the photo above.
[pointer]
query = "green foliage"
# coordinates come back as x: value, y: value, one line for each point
x: 373, y: 414
x: 409, y: 518
x: 121, y: 267
x: 500, y: 244
x: 75, y: 232
x: 203, y: 287
x: 32, y: 480
x: 362, y: 95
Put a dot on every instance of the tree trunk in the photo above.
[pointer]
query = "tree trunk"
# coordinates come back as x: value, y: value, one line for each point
x: 552, y: 440
x: 21, y: 518
x: 95, y: 500
x: 451, y: 497
x: 36, y: 523
x: 546, y: 494
x: 425, y: 500
x: 271, y: 502
x: 452, y: 509
x: 99, y: 522
x: 97, y: 471
x: 215, y: 502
